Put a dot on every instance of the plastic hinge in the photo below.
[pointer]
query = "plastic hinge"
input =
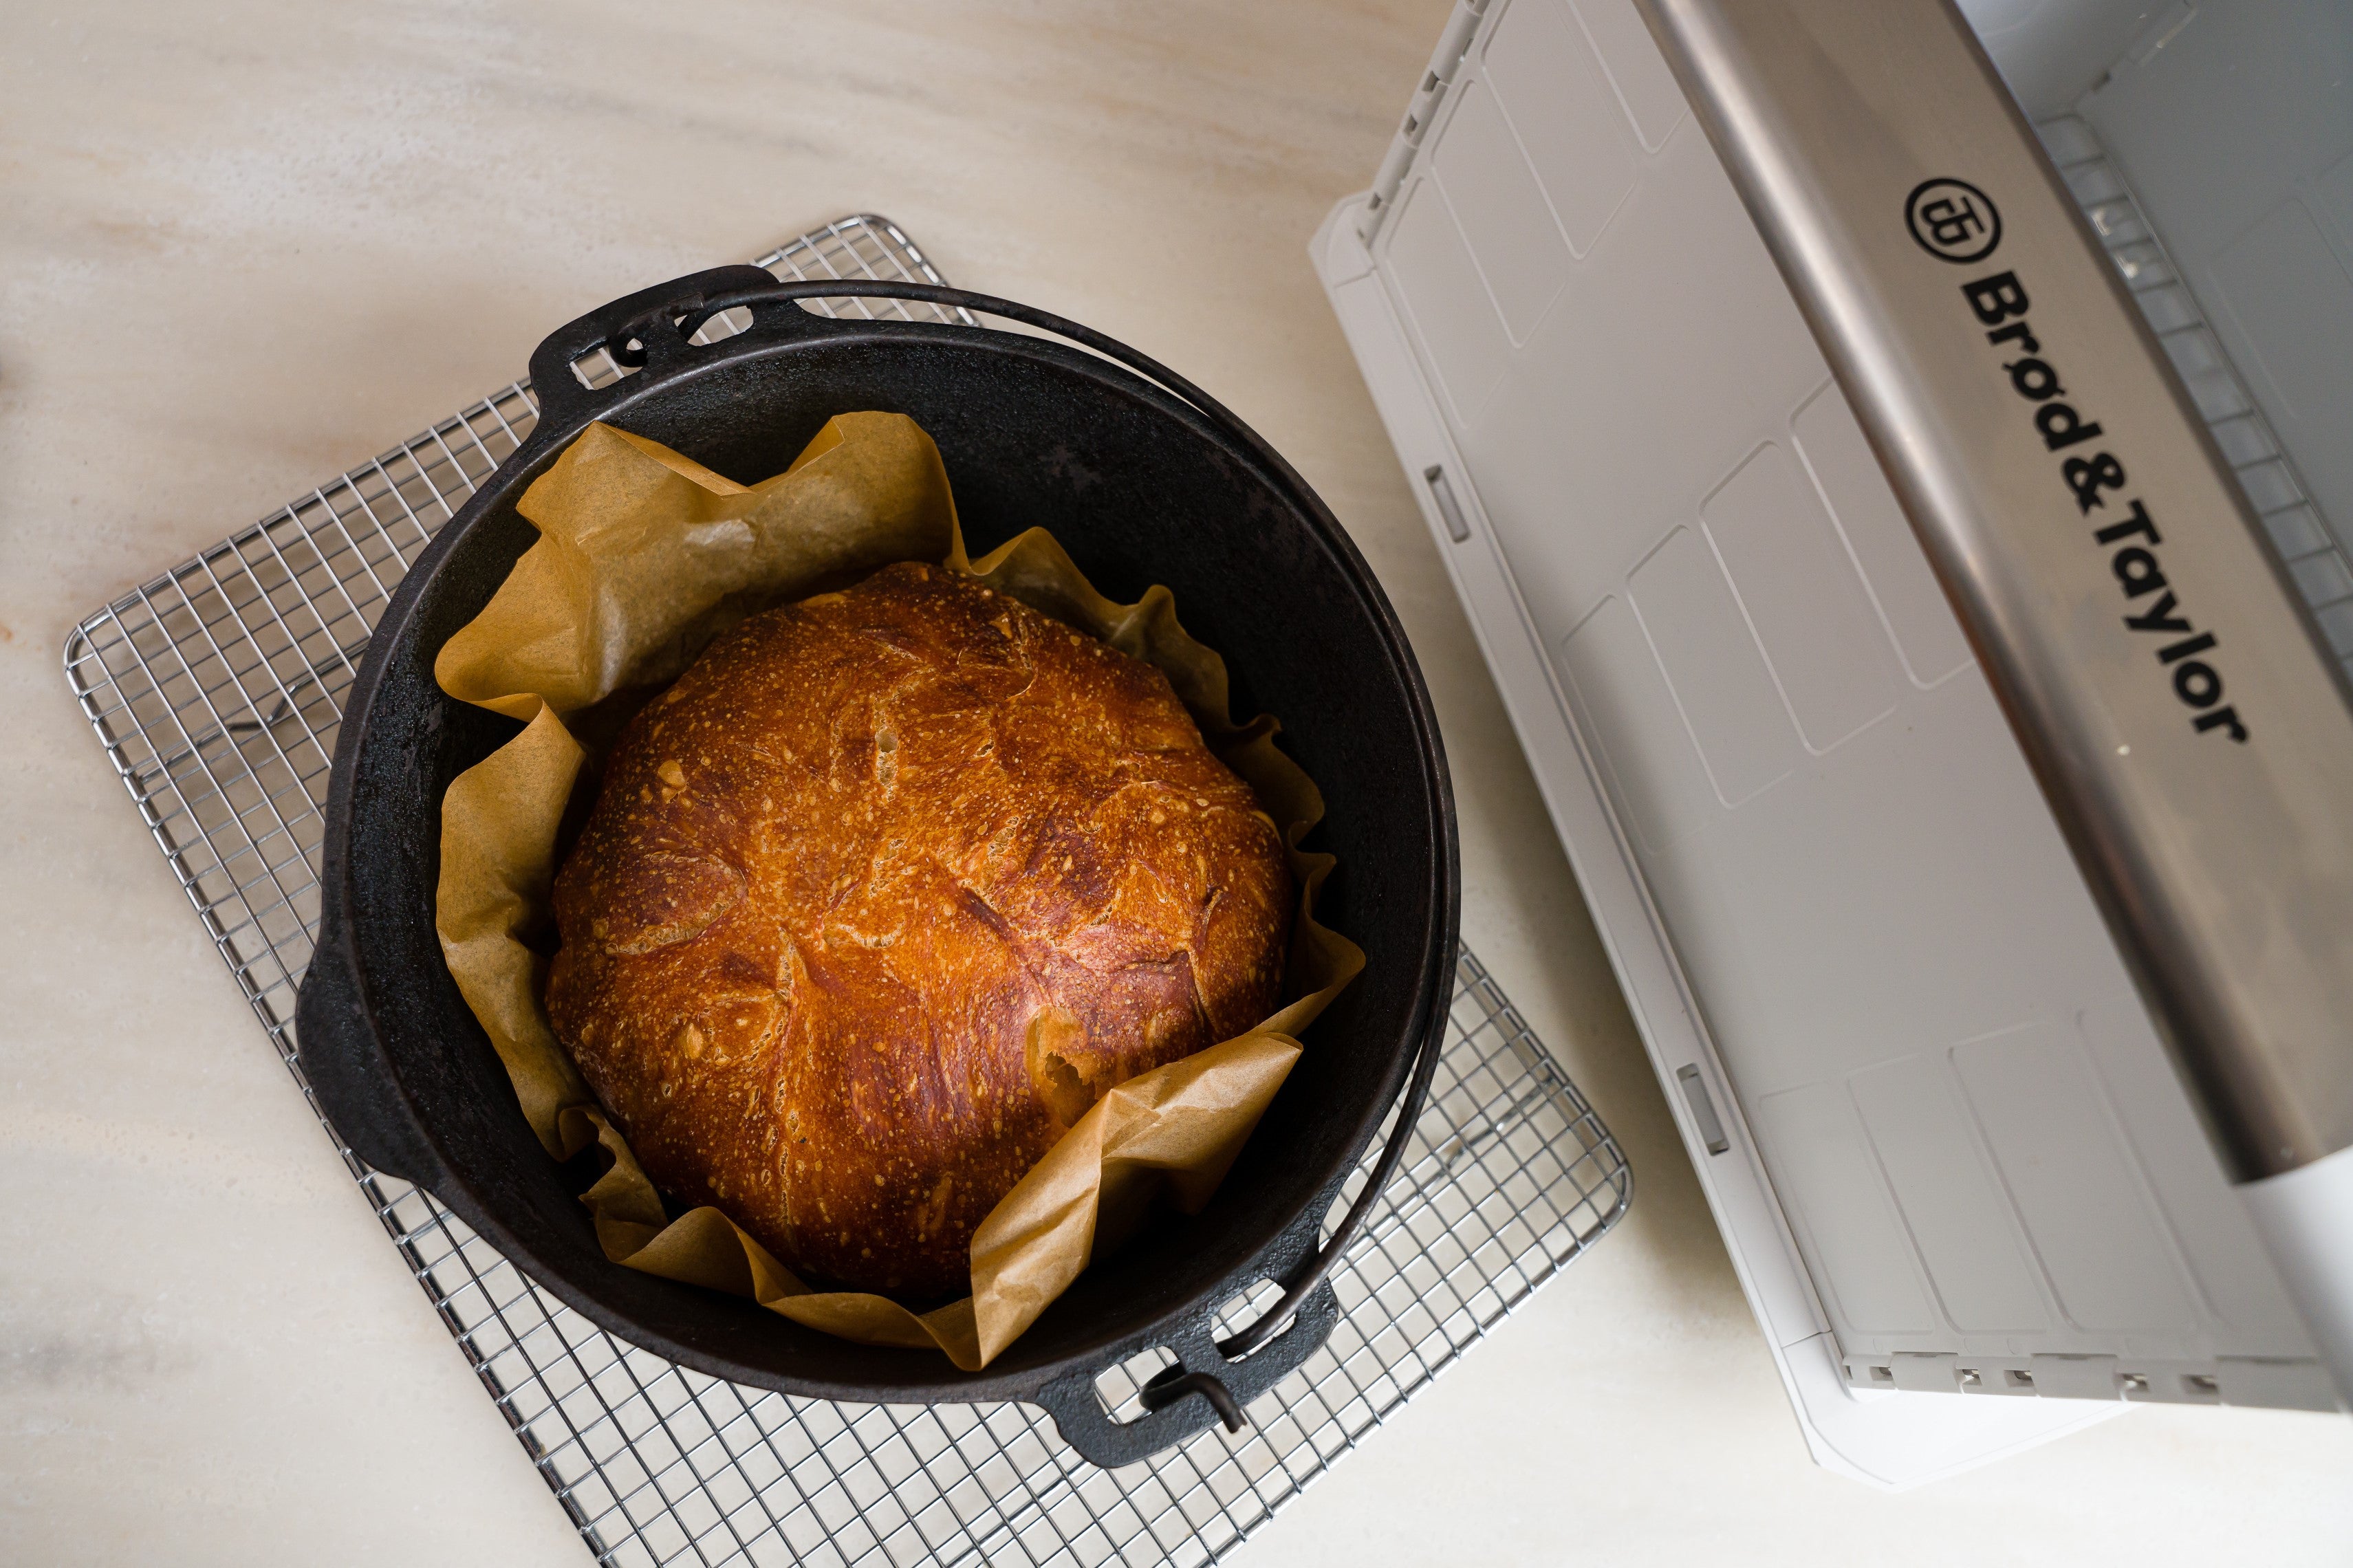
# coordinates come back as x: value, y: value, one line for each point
x: 2280, y: 1384
x: 1445, y: 64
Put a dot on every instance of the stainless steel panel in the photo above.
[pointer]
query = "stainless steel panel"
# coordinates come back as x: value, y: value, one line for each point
x: 2193, y: 737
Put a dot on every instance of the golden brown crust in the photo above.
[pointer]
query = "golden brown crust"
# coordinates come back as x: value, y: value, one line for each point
x: 887, y: 889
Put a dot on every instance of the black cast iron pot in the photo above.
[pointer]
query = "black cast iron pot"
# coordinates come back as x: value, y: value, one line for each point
x: 1142, y: 483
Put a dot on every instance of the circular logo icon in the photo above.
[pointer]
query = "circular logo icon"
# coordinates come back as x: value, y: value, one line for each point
x: 1952, y: 220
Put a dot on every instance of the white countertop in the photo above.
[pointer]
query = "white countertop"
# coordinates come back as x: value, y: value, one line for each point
x: 244, y: 246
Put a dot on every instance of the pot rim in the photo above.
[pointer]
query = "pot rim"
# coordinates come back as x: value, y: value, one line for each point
x: 564, y: 413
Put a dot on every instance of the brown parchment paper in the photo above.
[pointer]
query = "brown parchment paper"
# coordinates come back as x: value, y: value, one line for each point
x: 643, y: 557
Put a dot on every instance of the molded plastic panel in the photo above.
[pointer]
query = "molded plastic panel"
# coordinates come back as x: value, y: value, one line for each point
x: 1956, y: 1151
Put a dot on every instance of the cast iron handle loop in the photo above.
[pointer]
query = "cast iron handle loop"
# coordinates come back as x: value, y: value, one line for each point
x: 1255, y: 1359
x: 560, y: 394
x: 1172, y: 1414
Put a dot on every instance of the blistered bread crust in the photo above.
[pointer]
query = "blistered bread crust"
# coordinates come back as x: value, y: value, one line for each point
x: 881, y: 895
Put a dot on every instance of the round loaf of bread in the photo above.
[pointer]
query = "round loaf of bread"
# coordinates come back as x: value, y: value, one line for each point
x: 881, y: 895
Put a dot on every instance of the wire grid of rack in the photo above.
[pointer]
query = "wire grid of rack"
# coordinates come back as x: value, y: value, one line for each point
x: 216, y: 690
x: 2249, y: 444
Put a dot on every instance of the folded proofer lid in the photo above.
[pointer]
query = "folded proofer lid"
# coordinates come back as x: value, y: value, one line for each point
x: 1930, y: 1110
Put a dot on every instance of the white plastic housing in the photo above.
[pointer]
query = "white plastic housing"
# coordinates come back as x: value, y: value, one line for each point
x: 1961, y: 1185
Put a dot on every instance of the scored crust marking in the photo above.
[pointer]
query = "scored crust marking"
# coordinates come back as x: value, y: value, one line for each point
x: 926, y: 957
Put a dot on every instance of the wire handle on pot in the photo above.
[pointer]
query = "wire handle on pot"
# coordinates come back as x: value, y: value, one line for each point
x: 1426, y: 1066
x: 644, y: 328
x: 1227, y: 1375
x: 1319, y: 1268
x: 656, y: 327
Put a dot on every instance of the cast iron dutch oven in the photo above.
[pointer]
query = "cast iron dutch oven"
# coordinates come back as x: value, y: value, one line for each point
x: 1144, y: 480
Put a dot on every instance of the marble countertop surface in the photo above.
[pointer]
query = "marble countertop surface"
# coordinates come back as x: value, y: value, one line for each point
x: 244, y: 245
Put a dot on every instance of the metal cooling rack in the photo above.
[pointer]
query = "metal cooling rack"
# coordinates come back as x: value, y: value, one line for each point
x: 216, y: 689
x: 2313, y: 556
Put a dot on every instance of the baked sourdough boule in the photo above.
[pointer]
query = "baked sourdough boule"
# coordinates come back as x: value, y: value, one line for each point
x: 881, y: 896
